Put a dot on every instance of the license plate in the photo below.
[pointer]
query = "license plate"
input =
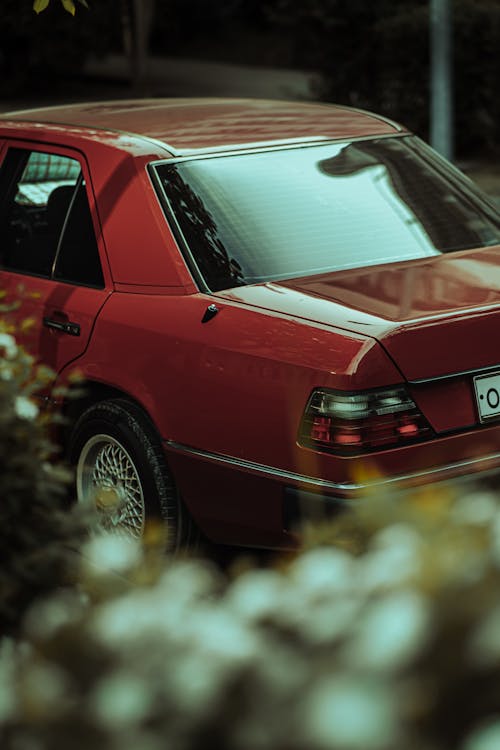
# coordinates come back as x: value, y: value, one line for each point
x: 488, y: 395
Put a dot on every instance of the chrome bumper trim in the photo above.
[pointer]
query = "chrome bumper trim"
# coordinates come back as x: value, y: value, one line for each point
x: 480, y: 466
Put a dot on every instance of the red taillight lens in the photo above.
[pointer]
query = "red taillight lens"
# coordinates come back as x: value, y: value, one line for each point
x: 348, y: 423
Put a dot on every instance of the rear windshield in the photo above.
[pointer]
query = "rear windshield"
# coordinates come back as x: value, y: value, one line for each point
x: 257, y: 217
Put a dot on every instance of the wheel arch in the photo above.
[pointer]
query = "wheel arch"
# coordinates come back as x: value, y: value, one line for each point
x: 81, y: 395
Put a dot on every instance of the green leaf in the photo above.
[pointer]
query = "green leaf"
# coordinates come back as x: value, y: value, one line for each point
x: 84, y: 3
x: 69, y: 5
x: 40, y: 5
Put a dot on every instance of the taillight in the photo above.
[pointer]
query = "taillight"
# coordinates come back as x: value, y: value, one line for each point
x: 348, y: 423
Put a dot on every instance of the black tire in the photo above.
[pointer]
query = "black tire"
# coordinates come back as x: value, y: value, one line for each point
x: 122, y: 473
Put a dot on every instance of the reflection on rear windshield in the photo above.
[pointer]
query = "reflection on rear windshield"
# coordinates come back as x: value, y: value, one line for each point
x: 297, y: 212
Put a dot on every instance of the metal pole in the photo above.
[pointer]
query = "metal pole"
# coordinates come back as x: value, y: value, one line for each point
x: 142, y: 17
x: 441, y: 77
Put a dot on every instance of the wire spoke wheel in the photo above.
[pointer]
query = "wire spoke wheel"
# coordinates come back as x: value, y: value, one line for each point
x: 108, y: 480
x: 122, y: 475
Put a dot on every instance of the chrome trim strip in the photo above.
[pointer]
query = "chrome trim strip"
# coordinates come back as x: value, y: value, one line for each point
x: 196, y: 154
x: 260, y: 468
x: 276, y: 473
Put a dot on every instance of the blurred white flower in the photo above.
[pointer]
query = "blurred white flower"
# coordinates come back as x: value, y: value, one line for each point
x: 188, y: 581
x: 351, y: 713
x: 129, y: 618
x: 395, y: 557
x: 218, y: 633
x: 390, y: 632
x: 121, y: 700
x: 107, y: 553
x: 326, y: 621
x: 485, y: 738
x: 323, y: 571
x: 194, y: 683
x: 9, y: 346
x: 476, y: 508
x: 25, y: 408
x: 48, y: 615
x: 163, y: 611
x: 6, y: 372
x: 257, y: 594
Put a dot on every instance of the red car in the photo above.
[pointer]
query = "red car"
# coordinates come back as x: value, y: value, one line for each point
x: 263, y: 298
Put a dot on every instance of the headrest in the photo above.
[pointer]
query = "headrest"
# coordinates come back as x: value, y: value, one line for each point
x: 58, y: 204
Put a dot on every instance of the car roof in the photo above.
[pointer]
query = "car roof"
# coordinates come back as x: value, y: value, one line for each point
x: 187, y: 125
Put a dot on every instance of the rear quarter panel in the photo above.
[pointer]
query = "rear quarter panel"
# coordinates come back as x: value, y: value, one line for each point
x: 236, y: 385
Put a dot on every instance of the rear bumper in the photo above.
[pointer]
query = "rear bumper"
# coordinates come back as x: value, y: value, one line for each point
x: 242, y: 502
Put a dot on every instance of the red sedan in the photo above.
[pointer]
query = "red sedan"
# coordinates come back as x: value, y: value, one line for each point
x: 263, y: 299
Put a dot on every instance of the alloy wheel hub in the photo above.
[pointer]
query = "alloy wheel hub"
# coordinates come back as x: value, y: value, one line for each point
x: 107, y: 479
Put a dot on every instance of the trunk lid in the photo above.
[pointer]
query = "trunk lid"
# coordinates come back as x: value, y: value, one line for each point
x: 435, y: 317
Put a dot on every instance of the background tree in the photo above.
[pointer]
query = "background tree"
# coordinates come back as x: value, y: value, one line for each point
x: 372, y: 55
x: 46, y: 52
x: 377, y: 56
x: 137, y: 20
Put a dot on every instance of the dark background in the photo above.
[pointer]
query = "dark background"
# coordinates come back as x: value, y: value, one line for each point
x: 364, y: 53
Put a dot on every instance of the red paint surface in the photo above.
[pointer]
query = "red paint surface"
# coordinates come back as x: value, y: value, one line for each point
x: 187, y: 124
x: 237, y: 385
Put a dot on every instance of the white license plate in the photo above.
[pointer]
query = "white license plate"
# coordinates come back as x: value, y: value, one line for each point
x: 488, y: 395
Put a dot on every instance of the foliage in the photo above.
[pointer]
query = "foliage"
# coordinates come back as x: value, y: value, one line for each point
x: 69, y: 5
x: 387, y: 639
x: 45, y: 53
x: 37, y: 533
x: 376, y: 56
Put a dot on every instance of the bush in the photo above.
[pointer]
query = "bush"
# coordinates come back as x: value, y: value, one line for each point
x: 38, y: 535
x: 382, y: 633
x: 388, y: 638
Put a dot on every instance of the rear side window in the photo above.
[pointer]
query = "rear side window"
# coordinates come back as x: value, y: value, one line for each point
x: 45, y: 220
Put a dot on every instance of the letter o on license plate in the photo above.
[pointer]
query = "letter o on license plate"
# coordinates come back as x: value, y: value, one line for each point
x: 488, y: 396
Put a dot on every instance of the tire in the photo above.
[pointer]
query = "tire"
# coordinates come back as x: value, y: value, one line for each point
x: 122, y: 474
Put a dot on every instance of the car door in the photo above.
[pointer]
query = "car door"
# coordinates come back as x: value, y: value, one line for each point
x: 53, y: 273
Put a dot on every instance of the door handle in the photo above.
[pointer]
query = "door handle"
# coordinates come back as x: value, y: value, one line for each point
x: 73, y: 329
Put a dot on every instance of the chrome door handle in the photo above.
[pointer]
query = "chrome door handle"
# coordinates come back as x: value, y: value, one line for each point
x: 73, y: 329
